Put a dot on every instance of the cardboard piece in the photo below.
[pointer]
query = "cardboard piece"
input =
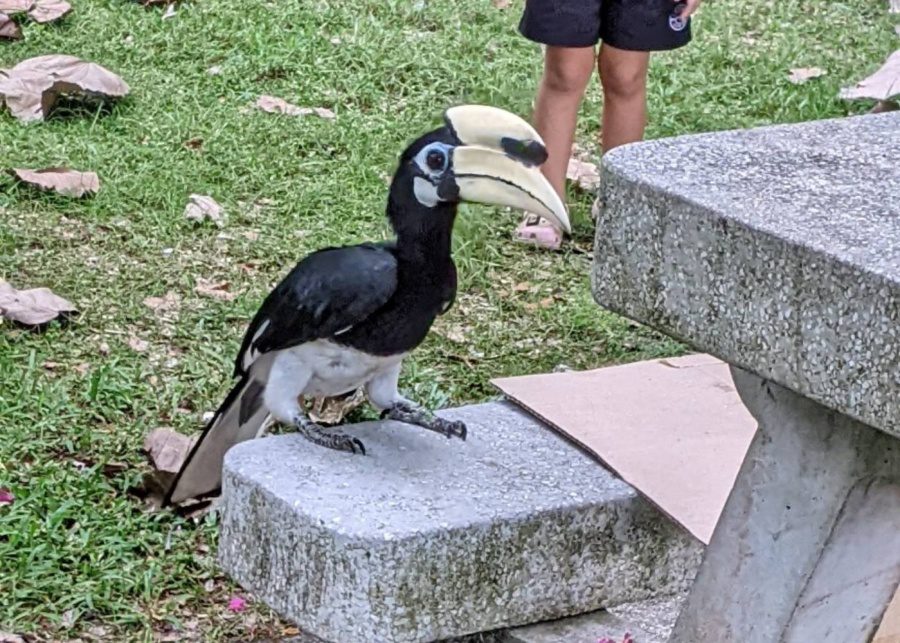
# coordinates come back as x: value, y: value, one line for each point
x: 889, y: 630
x: 675, y: 429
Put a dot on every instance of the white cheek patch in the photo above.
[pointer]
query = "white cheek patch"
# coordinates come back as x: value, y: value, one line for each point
x: 425, y: 192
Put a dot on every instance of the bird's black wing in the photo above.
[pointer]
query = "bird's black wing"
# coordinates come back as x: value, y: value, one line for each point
x: 327, y: 293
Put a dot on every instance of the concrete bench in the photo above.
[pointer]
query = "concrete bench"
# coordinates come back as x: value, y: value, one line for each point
x: 426, y: 539
x: 778, y: 251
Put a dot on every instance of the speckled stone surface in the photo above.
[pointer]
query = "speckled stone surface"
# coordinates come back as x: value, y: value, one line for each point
x: 426, y: 538
x: 775, y: 249
x: 648, y: 621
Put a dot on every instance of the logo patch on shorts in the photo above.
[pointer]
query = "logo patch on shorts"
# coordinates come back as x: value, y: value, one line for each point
x: 676, y: 22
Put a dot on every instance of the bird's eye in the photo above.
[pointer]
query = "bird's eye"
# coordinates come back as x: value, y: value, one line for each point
x: 436, y: 160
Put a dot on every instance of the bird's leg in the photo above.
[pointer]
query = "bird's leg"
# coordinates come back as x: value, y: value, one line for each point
x: 326, y: 437
x: 287, y: 379
x: 411, y: 413
x: 383, y: 394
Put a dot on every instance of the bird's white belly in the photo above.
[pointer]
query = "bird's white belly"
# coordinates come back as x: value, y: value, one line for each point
x: 337, y: 369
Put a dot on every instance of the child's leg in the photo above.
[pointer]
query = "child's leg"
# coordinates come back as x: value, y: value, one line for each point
x: 623, y: 74
x: 567, y: 71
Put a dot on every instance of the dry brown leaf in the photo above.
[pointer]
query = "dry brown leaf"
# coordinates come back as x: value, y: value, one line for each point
x: 321, y: 112
x: 502, y: 4
x: 522, y: 286
x: 167, y: 449
x: 275, y: 105
x: 32, y: 307
x: 49, y: 10
x: 83, y: 368
x: 60, y: 180
x: 10, y: 7
x: 800, y: 75
x: 584, y: 174
x: 167, y: 303
x: 137, y: 344
x: 214, y: 289
x: 68, y: 618
x: 31, y: 88
x: 884, y: 106
x: 201, y: 207
x: 884, y: 84
x: 9, y: 29
x: 454, y: 332
x: 331, y: 410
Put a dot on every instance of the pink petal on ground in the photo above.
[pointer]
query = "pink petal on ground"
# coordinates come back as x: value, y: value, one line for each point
x: 6, y: 497
x: 237, y: 604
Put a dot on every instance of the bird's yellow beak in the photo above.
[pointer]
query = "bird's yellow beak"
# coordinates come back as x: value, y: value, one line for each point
x: 498, y: 162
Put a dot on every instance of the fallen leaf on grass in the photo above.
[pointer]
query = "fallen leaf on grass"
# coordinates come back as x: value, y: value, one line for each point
x: 522, y: 286
x: 502, y: 4
x: 167, y: 449
x: 167, y: 303
x: 275, y: 105
x: 171, y: 10
x: 60, y: 180
x: 137, y: 344
x: 6, y: 497
x: 32, y: 88
x: 98, y: 632
x: 45, y: 11
x: 884, y: 84
x: 11, y: 7
x: 800, y: 75
x: 33, y: 307
x: 201, y: 207
x: 214, y: 289
x: 9, y: 29
x: 68, y: 618
x: 215, y: 70
x: 584, y: 174
x: 331, y: 410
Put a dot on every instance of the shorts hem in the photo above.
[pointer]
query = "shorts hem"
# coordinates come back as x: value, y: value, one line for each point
x: 550, y: 41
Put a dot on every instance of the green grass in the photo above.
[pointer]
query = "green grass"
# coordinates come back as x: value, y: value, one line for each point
x: 76, y: 552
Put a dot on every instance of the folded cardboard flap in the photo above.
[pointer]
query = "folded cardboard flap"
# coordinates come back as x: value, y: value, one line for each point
x: 675, y: 429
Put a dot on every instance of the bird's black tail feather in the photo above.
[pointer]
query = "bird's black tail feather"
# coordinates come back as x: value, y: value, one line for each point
x: 240, y: 417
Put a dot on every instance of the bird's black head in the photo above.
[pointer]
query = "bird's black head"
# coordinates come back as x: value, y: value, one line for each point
x: 481, y: 154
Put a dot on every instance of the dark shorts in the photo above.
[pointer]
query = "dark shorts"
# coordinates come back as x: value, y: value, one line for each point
x: 638, y: 25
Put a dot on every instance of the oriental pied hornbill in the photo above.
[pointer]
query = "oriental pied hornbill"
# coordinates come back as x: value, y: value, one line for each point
x: 346, y: 317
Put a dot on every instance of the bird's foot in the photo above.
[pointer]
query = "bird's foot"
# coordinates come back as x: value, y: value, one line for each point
x: 413, y: 414
x: 328, y: 438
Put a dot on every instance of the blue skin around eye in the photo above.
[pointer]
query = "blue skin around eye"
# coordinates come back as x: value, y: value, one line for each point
x: 425, y: 151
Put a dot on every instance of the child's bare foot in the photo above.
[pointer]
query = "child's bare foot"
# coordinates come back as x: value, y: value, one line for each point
x: 539, y: 232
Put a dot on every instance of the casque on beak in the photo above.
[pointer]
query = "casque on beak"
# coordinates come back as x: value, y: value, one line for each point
x: 498, y: 161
